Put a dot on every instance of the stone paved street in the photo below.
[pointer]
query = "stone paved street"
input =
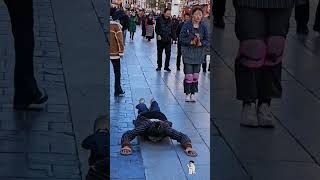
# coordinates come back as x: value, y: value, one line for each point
x: 140, y: 79
x: 45, y: 144
x: 291, y: 150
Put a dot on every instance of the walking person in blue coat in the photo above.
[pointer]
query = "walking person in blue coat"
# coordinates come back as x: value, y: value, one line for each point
x: 194, y: 40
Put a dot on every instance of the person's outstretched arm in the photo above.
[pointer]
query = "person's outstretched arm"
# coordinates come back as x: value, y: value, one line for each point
x: 183, y: 139
x: 128, y: 136
x: 180, y: 137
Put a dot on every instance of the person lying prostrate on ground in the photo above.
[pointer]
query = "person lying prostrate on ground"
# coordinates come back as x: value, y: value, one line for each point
x: 153, y: 125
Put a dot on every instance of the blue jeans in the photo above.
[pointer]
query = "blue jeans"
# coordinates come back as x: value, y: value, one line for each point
x: 143, y: 108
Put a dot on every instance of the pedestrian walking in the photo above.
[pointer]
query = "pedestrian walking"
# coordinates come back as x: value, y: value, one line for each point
x: 164, y: 38
x: 206, y: 20
x: 124, y: 21
x: 132, y: 24
x: 143, y: 24
x: 261, y: 27
x: 175, y: 24
x: 316, y: 26
x: 26, y: 90
x: 185, y: 19
x: 116, y: 51
x: 149, y: 24
x: 302, y: 11
x: 194, y: 40
x: 218, y: 13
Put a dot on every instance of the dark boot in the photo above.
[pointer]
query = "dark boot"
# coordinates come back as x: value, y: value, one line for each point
x: 194, y: 87
x: 187, y: 87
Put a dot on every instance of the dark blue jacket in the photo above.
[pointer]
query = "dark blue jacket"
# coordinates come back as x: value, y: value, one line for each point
x: 191, y: 54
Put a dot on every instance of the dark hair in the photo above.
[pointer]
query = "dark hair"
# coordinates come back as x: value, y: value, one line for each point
x: 166, y: 9
x: 191, y: 161
x: 101, y: 123
x: 156, y: 129
x: 187, y: 14
x: 196, y: 9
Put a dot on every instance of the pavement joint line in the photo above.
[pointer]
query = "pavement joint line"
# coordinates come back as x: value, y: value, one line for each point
x: 65, y: 85
x: 298, y: 141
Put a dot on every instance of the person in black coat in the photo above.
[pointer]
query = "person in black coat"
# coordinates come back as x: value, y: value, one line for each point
x: 175, y: 24
x: 218, y: 13
x: 186, y: 18
x: 26, y: 90
x: 124, y: 21
x: 164, y: 37
x: 143, y: 25
x: 302, y: 11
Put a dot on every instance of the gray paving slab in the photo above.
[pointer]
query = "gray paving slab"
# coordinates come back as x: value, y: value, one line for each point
x: 283, y: 170
x: 224, y: 164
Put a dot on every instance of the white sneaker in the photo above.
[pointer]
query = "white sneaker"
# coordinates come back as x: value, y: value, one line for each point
x: 187, y: 98
x: 152, y: 100
x: 141, y: 101
x: 192, y: 97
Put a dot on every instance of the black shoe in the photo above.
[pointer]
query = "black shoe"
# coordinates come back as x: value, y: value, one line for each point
x: 178, y: 69
x: 120, y: 94
x: 42, y: 98
x: 219, y: 22
x: 316, y: 28
x: 302, y: 30
x: 158, y: 69
x: 167, y: 69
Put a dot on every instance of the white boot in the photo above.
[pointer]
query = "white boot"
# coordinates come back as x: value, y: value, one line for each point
x: 187, y: 98
x: 192, y: 97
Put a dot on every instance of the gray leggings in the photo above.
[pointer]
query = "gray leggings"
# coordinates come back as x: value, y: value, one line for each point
x: 191, y: 68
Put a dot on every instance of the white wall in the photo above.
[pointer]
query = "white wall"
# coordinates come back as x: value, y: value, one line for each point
x: 175, y: 7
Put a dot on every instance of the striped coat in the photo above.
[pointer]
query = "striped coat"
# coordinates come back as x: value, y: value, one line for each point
x: 143, y: 123
x: 264, y: 3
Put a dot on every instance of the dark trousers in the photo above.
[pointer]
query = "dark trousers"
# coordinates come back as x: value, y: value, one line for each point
x: 142, y: 108
x: 21, y: 14
x: 179, y: 55
x: 204, y: 65
x: 262, y: 34
x: 100, y: 170
x: 317, y: 20
x: 117, y: 75
x: 219, y: 8
x: 302, y: 14
x: 160, y: 47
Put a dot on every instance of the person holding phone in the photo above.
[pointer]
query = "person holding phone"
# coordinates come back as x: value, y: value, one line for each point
x: 194, y: 40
